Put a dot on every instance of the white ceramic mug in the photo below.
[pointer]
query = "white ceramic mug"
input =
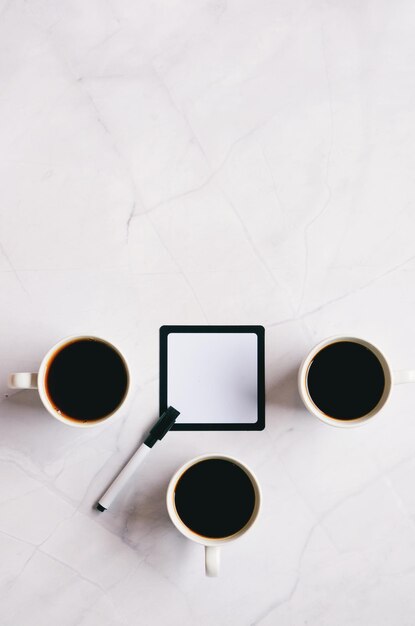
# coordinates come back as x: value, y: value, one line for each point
x: 27, y: 380
x: 212, y: 546
x: 391, y: 378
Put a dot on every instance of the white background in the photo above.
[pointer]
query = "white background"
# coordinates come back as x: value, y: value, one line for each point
x: 175, y: 162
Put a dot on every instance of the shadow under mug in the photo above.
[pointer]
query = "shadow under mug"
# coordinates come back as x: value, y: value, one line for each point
x: 28, y: 380
x: 212, y: 545
x: 391, y: 378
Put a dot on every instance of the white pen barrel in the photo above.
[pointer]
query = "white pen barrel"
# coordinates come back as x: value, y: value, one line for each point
x: 125, y: 474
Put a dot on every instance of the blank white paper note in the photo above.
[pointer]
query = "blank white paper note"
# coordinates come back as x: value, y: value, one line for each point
x: 213, y: 377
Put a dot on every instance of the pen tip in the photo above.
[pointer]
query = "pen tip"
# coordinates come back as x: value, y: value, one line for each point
x: 101, y: 508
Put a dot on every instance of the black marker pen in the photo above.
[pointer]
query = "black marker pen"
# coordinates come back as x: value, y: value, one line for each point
x: 160, y: 428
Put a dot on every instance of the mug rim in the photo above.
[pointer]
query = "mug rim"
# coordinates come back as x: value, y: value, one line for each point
x: 314, y: 409
x: 185, y: 530
x: 41, y: 382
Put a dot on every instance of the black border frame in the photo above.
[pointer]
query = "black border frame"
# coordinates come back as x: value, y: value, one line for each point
x: 259, y: 331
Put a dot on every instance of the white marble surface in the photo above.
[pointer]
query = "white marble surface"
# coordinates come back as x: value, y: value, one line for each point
x: 207, y: 162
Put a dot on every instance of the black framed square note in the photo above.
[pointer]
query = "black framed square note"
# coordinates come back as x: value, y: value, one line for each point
x: 213, y: 375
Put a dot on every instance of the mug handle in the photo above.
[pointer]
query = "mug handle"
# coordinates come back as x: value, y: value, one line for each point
x: 212, y: 561
x: 403, y: 376
x: 22, y: 380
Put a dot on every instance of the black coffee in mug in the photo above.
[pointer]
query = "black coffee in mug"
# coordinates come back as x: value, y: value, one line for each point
x: 86, y: 380
x: 215, y: 498
x: 345, y: 380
